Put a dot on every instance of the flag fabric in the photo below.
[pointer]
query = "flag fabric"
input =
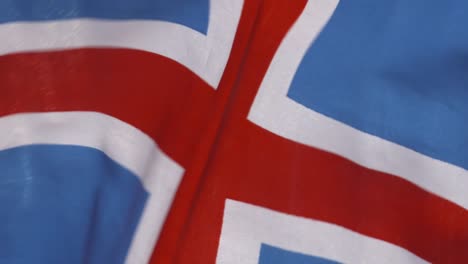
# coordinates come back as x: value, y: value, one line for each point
x: 233, y: 131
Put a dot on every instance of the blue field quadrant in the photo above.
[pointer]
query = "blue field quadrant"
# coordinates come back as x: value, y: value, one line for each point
x: 66, y: 204
x: 395, y: 69
x: 274, y: 255
x: 191, y: 13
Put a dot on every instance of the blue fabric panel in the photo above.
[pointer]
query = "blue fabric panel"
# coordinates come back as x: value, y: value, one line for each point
x: 190, y: 13
x: 275, y: 255
x: 396, y: 69
x: 66, y: 204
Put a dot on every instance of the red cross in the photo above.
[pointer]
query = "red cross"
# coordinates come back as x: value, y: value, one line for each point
x: 224, y: 154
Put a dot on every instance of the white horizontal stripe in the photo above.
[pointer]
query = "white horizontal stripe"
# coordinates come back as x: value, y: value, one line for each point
x: 206, y: 55
x: 246, y: 227
x: 274, y: 111
x: 121, y: 142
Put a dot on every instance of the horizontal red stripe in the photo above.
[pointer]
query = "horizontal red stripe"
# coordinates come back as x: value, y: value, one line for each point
x: 150, y: 92
x: 268, y: 171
